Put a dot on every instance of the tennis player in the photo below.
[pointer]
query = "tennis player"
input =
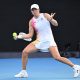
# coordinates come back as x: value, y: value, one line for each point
x: 40, y: 22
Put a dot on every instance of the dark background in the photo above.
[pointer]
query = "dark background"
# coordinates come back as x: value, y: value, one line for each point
x: 15, y: 15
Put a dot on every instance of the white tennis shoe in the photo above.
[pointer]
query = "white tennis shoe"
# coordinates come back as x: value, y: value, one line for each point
x: 76, y: 70
x: 22, y: 74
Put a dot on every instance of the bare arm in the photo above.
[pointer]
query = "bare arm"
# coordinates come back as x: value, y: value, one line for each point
x: 50, y: 18
x: 31, y: 31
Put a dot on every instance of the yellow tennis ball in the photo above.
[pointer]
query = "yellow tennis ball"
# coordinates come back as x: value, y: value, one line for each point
x: 14, y: 34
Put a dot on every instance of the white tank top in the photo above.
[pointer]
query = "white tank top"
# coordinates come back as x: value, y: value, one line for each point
x: 43, y: 28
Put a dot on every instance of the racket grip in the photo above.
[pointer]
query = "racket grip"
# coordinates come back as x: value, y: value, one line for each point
x: 28, y: 39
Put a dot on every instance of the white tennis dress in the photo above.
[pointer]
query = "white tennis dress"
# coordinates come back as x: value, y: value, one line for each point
x: 45, y: 37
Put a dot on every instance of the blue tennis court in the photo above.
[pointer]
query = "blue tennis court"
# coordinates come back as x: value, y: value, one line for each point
x: 38, y: 69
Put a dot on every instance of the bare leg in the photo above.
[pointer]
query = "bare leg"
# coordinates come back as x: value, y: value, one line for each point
x: 29, y: 49
x: 55, y: 53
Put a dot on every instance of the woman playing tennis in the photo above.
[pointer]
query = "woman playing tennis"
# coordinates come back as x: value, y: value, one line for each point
x: 40, y: 22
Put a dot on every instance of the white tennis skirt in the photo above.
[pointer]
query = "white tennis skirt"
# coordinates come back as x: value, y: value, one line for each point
x: 44, y: 45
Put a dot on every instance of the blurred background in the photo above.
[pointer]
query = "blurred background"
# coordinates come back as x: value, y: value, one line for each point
x: 15, y: 15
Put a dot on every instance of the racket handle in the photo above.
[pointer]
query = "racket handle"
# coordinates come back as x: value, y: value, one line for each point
x: 27, y: 39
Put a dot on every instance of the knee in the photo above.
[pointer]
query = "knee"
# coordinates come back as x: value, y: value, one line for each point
x: 25, y: 52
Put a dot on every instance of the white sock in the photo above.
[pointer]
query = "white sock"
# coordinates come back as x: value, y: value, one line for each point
x: 23, y: 70
x: 75, y: 66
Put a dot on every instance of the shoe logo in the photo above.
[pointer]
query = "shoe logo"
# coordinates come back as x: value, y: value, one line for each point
x: 77, y: 71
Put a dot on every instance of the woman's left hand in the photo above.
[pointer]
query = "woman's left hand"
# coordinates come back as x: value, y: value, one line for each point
x: 52, y: 15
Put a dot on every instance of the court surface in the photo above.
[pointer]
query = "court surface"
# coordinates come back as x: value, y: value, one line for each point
x: 38, y: 69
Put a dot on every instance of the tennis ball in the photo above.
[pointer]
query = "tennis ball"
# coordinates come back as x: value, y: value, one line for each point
x: 14, y: 34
